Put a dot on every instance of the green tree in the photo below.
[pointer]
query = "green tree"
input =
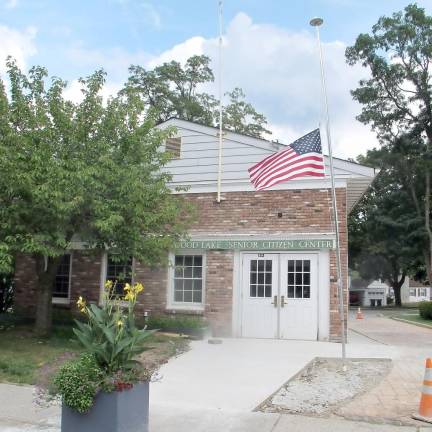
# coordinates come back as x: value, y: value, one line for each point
x: 176, y: 91
x: 240, y: 116
x: 87, y: 171
x: 397, y: 100
x: 386, y: 237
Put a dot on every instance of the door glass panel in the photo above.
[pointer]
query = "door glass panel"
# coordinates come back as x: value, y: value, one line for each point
x: 290, y: 291
x: 260, y: 281
x: 298, y: 279
x: 260, y: 290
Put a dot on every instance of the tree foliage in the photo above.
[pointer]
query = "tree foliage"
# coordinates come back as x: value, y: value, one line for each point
x: 397, y: 102
x: 89, y: 171
x: 386, y: 237
x: 173, y: 90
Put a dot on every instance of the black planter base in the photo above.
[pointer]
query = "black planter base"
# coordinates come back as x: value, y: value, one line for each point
x: 124, y: 411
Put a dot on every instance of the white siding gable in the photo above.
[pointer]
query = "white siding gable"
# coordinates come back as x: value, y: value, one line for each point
x: 198, y: 165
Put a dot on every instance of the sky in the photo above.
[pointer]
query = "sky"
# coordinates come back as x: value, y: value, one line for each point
x: 270, y: 50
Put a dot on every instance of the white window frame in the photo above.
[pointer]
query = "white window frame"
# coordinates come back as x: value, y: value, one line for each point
x: 103, y: 275
x: 65, y: 300
x: 171, y: 304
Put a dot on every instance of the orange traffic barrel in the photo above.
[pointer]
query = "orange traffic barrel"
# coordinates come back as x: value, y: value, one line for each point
x: 425, y: 409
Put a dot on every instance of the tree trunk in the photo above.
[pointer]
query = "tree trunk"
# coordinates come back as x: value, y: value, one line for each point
x: 46, y: 269
x: 397, y: 285
x: 397, y: 293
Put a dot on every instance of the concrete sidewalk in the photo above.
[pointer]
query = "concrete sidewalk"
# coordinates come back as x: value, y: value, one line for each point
x: 241, y: 373
x: 216, y: 387
x: 197, y: 420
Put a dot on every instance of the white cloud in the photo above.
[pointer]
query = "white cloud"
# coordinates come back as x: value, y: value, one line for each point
x: 180, y: 52
x: 279, y: 72
x: 18, y: 44
x: 10, y: 4
x: 151, y: 15
x: 114, y: 61
x: 73, y: 90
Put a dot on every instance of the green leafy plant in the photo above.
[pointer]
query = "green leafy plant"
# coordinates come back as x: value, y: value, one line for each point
x: 111, y: 341
x: 425, y: 310
x: 110, y: 333
x: 178, y: 323
x: 78, y: 382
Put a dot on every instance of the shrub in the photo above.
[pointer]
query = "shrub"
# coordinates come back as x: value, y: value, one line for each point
x: 6, y: 292
x: 176, y: 322
x: 78, y: 382
x: 425, y: 309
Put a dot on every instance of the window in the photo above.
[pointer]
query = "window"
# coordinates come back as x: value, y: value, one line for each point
x: 260, y: 278
x: 62, y: 279
x: 188, y: 279
x: 120, y: 272
x: 412, y: 292
x: 173, y: 146
x: 423, y: 292
x: 298, y: 279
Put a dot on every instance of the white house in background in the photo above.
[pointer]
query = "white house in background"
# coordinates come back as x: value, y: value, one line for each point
x: 413, y: 291
x: 372, y: 294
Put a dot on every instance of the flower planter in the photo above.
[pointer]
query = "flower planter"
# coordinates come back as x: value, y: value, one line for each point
x: 119, y: 411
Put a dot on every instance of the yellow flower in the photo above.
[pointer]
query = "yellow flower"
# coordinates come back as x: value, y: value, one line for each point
x: 127, y: 287
x: 130, y: 296
x: 120, y: 323
x: 81, y: 304
x: 138, y: 287
x: 108, y: 285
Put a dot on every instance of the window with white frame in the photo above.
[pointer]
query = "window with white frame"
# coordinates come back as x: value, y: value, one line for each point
x: 423, y: 292
x: 188, y: 279
x: 119, y: 272
x: 62, y: 279
x: 412, y: 292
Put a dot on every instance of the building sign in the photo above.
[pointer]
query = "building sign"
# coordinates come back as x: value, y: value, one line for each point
x: 265, y: 245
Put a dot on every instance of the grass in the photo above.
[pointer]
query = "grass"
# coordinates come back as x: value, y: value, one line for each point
x: 22, y: 354
x: 415, y: 318
x: 27, y: 359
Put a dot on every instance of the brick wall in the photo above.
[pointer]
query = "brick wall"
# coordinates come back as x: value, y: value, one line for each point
x: 302, y: 211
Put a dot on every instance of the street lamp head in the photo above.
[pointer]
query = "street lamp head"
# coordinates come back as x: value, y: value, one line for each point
x: 316, y: 22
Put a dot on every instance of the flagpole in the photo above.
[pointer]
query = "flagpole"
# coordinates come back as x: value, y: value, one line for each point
x: 316, y: 22
x: 219, y: 177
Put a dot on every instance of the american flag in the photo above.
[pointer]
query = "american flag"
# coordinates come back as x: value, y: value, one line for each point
x: 302, y: 158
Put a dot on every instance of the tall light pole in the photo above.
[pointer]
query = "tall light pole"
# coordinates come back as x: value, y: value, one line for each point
x: 220, y: 151
x: 316, y: 22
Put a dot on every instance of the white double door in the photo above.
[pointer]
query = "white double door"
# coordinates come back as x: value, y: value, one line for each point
x: 279, y: 296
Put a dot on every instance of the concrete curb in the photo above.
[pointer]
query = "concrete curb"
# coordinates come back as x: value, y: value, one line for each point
x: 412, y: 322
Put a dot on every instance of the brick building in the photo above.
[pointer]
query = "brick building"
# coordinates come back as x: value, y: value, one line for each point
x: 257, y: 264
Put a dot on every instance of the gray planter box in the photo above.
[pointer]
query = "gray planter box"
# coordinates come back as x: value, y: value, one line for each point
x: 119, y: 411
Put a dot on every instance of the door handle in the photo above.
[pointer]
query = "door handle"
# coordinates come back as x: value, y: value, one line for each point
x: 275, y: 302
x: 282, y: 301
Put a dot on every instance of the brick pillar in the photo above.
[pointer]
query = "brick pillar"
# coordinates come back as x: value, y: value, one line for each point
x: 219, y: 291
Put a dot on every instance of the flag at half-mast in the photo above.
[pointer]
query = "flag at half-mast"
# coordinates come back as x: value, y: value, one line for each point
x: 302, y: 158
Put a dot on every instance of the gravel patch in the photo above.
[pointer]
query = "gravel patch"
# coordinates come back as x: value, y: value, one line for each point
x: 323, y: 385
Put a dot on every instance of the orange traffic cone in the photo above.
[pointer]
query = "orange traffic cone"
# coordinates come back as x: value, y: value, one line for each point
x: 359, y: 314
x: 425, y: 410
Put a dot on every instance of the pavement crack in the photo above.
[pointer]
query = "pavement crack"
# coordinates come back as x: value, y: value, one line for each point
x: 276, y: 423
x: 367, y: 336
